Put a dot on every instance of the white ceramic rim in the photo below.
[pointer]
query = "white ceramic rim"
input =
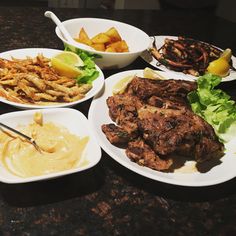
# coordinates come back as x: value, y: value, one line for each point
x: 53, y: 51
x: 144, y: 171
x: 107, y: 53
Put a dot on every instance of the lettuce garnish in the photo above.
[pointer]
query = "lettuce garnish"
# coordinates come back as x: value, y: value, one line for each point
x: 214, y: 105
x: 89, y: 71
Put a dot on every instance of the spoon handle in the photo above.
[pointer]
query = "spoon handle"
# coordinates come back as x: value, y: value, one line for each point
x: 65, y: 33
x: 31, y: 140
x: 56, y: 20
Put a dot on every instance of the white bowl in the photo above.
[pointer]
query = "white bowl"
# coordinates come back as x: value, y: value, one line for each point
x: 73, y: 120
x: 137, y: 40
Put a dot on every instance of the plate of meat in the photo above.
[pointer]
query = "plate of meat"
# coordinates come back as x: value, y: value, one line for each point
x: 149, y: 128
x: 187, y: 57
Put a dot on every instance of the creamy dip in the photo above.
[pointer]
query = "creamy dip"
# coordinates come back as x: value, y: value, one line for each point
x: 61, y: 150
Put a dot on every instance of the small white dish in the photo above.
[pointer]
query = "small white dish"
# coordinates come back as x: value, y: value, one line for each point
x: 71, y: 119
x: 159, y: 41
x: 49, y: 53
x: 226, y: 170
x: 136, y: 39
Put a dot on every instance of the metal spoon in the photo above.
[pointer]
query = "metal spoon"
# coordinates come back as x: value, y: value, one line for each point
x: 64, y: 31
x: 31, y: 140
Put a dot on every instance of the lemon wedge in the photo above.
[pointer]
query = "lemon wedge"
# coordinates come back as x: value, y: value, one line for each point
x: 226, y: 54
x: 66, y: 64
x: 152, y: 74
x: 219, y: 67
x: 120, y: 86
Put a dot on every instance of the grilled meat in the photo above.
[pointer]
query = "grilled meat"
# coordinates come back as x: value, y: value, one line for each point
x: 154, y: 119
x: 171, y: 102
x: 123, y: 110
x: 145, y: 88
x: 115, y: 134
x: 180, y: 131
x: 141, y: 153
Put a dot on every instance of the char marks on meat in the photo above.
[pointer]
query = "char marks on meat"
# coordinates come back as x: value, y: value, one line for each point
x: 141, y: 153
x: 174, y: 89
x: 153, y: 118
x: 116, y: 135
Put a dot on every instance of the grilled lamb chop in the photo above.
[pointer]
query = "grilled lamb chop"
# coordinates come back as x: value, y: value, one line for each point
x: 177, y: 103
x: 145, y: 88
x: 180, y: 131
x: 116, y: 135
x: 142, y: 154
x: 123, y: 110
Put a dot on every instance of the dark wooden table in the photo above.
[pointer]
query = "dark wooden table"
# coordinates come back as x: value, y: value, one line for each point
x: 109, y: 199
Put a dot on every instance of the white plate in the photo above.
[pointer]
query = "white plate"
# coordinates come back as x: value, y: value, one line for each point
x: 33, y: 52
x: 218, y: 174
x: 152, y: 60
x: 70, y: 118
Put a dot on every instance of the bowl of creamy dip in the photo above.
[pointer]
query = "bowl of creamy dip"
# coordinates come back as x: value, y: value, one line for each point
x: 63, y: 136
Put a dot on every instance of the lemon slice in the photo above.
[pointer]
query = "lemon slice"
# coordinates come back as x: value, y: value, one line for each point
x: 152, y: 74
x: 219, y: 67
x: 227, y: 54
x: 66, y: 64
x: 120, y: 86
x: 70, y: 58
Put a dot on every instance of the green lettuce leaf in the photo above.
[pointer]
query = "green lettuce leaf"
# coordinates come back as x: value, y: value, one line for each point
x: 214, y: 105
x: 89, y: 71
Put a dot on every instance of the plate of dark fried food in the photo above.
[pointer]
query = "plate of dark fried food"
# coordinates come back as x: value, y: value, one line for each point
x: 147, y: 126
x: 28, y: 80
x: 189, y: 57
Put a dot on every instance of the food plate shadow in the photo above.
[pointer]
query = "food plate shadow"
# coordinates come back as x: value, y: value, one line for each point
x: 54, y: 190
x: 174, y: 192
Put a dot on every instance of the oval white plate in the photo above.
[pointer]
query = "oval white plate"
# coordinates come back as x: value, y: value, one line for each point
x: 152, y: 60
x: 47, y: 52
x: 218, y: 174
x: 70, y: 118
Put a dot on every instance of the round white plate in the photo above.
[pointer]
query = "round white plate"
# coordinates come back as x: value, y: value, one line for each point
x: 33, y: 52
x: 98, y: 115
x: 159, y: 40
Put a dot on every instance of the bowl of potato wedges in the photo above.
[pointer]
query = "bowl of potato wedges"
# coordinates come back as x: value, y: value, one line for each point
x: 113, y: 44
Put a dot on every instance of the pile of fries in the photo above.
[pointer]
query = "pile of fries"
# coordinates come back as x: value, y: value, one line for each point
x: 186, y: 55
x: 109, y: 41
x: 34, y: 81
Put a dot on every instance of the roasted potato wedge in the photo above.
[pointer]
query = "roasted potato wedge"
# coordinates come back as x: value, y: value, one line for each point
x: 120, y: 46
x: 110, y: 49
x: 113, y: 34
x: 109, y: 41
x: 100, y: 38
x: 99, y: 46
x: 83, y: 37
